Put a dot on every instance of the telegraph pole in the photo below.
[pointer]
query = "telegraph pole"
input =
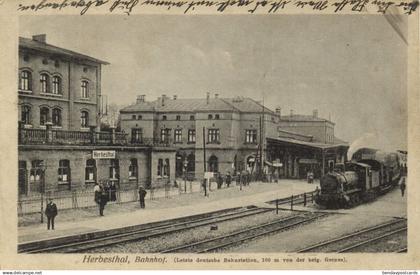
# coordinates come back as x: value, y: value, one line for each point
x: 204, y: 161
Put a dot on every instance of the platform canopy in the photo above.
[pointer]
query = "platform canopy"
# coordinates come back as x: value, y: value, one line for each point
x: 315, y: 145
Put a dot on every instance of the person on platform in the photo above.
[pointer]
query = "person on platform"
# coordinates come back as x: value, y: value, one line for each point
x: 228, y: 179
x: 219, y: 181
x: 113, y: 191
x: 97, y: 192
x: 104, y: 198
x: 402, y: 187
x: 51, y: 213
x: 142, y: 195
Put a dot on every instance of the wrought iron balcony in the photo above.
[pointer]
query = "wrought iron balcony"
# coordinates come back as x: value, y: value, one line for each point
x: 63, y: 137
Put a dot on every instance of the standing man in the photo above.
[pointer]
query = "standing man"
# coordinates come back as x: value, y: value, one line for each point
x: 142, y: 194
x: 51, y: 212
x: 99, y: 198
x: 228, y: 179
x: 113, y: 191
x: 402, y: 187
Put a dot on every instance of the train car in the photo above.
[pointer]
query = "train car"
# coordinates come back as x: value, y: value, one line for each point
x: 370, y: 173
x: 387, y: 164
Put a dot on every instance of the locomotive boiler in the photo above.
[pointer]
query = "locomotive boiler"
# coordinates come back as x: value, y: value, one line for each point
x: 370, y: 173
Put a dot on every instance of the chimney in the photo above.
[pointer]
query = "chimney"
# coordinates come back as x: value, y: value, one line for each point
x: 291, y: 112
x: 216, y: 95
x: 163, y: 100
x: 208, y: 98
x: 40, y: 38
x: 141, y: 99
x: 175, y: 97
x: 315, y: 113
x: 278, y: 111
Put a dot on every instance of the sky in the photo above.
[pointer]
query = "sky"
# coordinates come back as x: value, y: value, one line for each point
x: 351, y: 68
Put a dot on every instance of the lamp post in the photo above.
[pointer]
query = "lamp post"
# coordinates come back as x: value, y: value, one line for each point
x: 43, y: 167
x: 185, y: 175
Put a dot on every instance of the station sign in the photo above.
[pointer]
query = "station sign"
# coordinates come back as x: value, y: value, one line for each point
x: 109, y: 154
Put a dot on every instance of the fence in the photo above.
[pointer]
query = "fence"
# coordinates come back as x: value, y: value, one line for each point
x: 85, y: 198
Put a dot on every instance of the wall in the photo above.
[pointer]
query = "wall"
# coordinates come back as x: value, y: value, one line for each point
x: 78, y: 155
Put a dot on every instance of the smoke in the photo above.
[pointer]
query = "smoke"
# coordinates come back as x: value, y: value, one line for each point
x: 382, y: 140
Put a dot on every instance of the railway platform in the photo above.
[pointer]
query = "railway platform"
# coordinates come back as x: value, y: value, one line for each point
x: 181, y: 206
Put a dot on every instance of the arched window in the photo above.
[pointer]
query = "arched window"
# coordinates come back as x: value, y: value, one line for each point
x: 44, y: 115
x: 26, y: 114
x: 85, y: 89
x: 90, y: 170
x: 84, y: 119
x: 25, y: 81
x: 56, y: 88
x: 210, y: 116
x: 56, y: 117
x: 213, y: 164
x: 45, y: 83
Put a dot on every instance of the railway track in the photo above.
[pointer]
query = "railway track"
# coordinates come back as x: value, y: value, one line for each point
x: 241, y: 236
x: 358, y: 241
x: 150, y: 230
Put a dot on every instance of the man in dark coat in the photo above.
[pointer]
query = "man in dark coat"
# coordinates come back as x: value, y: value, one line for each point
x: 402, y: 187
x: 113, y: 191
x: 51, y: 212
x: 228, y: 179
x: 103, y: 201
x: 142, y: 194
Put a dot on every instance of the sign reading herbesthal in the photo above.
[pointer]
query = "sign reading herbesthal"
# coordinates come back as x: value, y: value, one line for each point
x: 103, y: 154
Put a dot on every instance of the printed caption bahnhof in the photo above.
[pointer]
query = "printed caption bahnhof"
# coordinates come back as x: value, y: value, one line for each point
x: 163, y: 260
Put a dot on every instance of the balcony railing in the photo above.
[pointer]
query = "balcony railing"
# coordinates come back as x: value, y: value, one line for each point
x: 61, y: 137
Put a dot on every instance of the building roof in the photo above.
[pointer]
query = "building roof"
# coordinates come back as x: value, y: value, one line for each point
x: 305, y: 118
x: 246, y: 104
x: 308, y: 144
x: 44, y: 47
x: 197, y: 105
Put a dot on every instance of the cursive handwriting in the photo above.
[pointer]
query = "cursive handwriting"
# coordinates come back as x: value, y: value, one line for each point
x: 245, y: 6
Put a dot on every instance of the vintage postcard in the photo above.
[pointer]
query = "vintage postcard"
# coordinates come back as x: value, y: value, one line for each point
x: 209, y: 134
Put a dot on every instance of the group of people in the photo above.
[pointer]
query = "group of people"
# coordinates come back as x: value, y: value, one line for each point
x: 104, y: 194
x: 241, y: 178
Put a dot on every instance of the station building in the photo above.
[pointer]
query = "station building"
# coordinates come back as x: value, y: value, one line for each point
x: 233, y: 134
x: 60, y: 145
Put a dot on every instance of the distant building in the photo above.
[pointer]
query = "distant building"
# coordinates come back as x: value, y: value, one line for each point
x: 321, y: 130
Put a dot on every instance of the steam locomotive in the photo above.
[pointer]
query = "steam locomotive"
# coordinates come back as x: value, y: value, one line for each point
x: 370, y: 173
